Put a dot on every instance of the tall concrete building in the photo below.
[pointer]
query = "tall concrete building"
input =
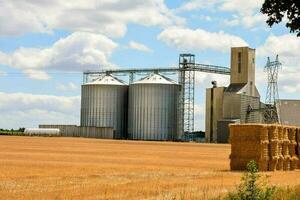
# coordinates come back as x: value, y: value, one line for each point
x: 235, y: 99
x: 214, y: 111
x: 242, y: 91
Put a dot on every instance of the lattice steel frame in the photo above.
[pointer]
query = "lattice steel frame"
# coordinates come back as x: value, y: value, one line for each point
x: 187, y: 93
x: 271, y: 113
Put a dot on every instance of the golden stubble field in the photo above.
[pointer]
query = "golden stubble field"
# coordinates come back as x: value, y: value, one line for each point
x: 77, y: 168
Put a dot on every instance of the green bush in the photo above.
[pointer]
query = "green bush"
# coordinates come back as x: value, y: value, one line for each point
x: 252, y: 186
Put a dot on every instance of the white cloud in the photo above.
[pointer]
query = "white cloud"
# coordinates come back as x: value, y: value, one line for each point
x: 77, y: 52
x: 248, y: 21
x: 246, y: 13
x: 37, y: 74
x: 252, y: 21
x: 291, y: 88
x: 232, y: 22
x: 109, y: 17
x: 241, y: 6
x: 288, y: 48
x: 139, y: 46
x: 29, y: 110
x: 199, y: 39
x: 204, y: 79
x: 238, y: 6
x: 196, y: 5
x: 67, y: 87
x: 288, y: 82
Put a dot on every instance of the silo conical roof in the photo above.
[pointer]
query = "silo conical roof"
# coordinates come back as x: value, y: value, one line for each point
x: 155, y: 79
x: 106, y: 80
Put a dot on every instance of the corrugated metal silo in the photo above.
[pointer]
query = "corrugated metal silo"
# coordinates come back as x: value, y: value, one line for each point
x: 104, y: 104
x: 152, y: 109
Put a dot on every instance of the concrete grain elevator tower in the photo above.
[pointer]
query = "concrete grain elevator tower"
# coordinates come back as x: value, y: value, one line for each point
x: 230, y: 104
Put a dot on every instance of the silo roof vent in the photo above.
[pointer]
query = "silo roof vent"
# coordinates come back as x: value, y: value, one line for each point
x: 155, y: 79
x: 107, y: 80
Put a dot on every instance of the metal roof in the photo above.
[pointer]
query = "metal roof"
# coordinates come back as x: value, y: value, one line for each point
x: 155, y: 79
x: 106, y: 80
x: 235, y: 87
x: 289, y: 111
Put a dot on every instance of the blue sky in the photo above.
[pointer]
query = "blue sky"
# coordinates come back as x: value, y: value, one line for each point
x: 43, y: 52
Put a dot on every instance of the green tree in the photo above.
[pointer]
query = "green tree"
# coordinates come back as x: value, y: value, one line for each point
x: 21, y: 129
x: 251, y: 187
x: 277, y: 9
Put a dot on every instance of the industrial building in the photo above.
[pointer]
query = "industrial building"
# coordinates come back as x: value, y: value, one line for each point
x: 158, y: 108
x: 149, y: 104
x: 152, y: 109
x: 226, y: 105
x: 82, y: 131
x: 104, y: 104
x: 155, y: 107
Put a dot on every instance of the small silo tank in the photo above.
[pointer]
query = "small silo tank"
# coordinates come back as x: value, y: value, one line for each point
x: 152, y: 108
x: 104, y: 104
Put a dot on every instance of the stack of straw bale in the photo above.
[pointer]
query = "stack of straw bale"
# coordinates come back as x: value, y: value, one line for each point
x: 249, y: 142
x: 280, y: 147
x: 298, y: 144
x: 273, y: 147
x: 285, y: 149
x: 292, y: 131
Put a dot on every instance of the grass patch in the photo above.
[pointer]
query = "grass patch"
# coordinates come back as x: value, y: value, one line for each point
x: 287, y: 193
x: 255, y: 187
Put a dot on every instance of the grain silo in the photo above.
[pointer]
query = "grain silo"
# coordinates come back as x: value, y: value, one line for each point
x: 152, y: 108
x: 104, y: 104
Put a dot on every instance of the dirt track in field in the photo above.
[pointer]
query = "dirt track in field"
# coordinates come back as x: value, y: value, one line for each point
x: 77, y: 168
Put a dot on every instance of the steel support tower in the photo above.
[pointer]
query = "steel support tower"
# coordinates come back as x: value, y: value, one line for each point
x: 187, y: 93
x: 271, y: 113
x: 186, y: 78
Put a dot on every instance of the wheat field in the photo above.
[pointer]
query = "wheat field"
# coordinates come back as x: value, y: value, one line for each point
x: 77, y: 168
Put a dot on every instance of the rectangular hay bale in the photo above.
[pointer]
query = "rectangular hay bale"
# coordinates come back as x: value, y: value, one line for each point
x: 279, y: 165
x: 294, y: 163
x: 286, y: 163
x: 285, y: 135
x: 285, y: 147
x: 273, y: 162
x: 250, y: 150
x: 274, y: 148
x: 273, y: 132
x: 248, y: 132
x: 280, y: 132
x: 291, y: 133
x: 298, y: 134
x: 292, y: 148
